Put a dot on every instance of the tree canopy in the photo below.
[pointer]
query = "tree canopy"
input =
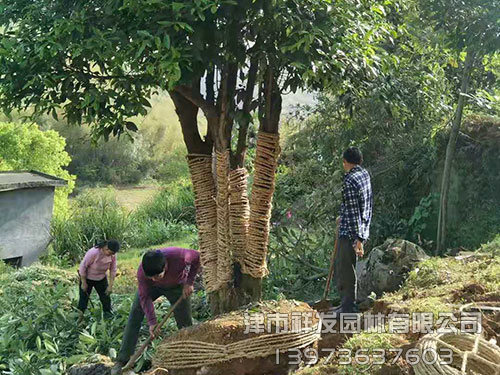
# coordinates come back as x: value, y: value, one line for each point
x: 99, y: 61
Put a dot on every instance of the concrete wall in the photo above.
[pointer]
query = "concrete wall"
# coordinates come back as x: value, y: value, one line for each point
x: 25, y: 216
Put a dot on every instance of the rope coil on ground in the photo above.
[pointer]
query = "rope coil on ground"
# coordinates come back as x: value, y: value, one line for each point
x: 239, y: 212
x: 481, y: 306
x: 224, y: 273
x: 200, y: 167
x: 191, y: 354
x: 266, y: 161
x: 471, y: 355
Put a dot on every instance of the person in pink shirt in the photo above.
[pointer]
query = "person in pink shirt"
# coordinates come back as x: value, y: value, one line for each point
x: 93, y: 268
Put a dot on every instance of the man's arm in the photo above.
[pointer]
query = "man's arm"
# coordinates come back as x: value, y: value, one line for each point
x: 351, y: 212
x: 191, y: 257
x: 145, y: 298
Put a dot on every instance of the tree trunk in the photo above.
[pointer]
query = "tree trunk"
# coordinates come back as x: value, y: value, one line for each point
x: 450, y: 151
x: 266, y: 160
x: 235, y: 263
x: 187, y: 112
x: 200, y: 168
x: 226, y: 301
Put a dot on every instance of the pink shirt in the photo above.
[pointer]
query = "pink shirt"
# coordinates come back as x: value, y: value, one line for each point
x: 95, y: 264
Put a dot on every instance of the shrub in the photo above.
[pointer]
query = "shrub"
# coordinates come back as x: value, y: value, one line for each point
x: 95, y: 217
x: 26, y: 147
x: 148, y: 232
x: 174, y: 203
x: 173, y: 166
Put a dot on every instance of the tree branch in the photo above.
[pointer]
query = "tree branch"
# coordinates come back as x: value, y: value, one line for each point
x: 209, y: 83
x: 241, y: 146
x: 69, y: 69
x: 195, y: 97
x: 187, y: 113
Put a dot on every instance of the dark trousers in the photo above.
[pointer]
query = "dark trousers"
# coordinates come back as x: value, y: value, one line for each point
x: 182, y: 315
x: 345, y: 271
x: 100, y: 286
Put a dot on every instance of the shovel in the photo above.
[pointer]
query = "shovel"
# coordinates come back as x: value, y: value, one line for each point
x: 138, y: 353
x: 324, y: 303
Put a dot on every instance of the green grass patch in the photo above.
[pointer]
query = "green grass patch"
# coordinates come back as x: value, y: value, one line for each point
x: 38, y: 315
x: 440, y: 284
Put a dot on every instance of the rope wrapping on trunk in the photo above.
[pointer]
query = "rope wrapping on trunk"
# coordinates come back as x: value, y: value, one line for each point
x: 200, y: 167
x: 224, y: 271
x: 239, y: 212
x: 471, y: 355
x: 266, y: 161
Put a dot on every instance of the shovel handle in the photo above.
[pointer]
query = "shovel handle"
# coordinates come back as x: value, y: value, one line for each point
x: 332, y: 261
x: 138, y: 353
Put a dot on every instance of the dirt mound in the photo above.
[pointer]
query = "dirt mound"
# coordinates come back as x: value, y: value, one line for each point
x: 90, y: 369
x: 232, y: 344
x: 469, y: 292
x: 94, y: 365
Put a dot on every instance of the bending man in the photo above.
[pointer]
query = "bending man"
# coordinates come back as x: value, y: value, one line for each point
x: 169, y: 272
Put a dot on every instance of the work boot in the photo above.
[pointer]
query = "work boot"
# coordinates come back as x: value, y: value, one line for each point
x: 117, y: 368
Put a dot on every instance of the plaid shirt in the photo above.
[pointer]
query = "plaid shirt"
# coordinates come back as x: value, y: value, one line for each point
x: 357, y: 203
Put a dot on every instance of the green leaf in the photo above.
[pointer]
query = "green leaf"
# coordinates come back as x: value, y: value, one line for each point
x: 50, y: 347
x: 131, y: 126
x: 166, y: 41
x: 141, y: 49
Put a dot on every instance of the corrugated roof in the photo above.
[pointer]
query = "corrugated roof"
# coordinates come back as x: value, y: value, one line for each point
x: 13, y: 180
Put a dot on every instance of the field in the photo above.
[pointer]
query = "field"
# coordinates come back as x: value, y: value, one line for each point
x: 129, y: 197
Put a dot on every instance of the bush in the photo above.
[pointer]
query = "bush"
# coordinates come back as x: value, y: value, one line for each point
x: 174, y: 203
x: 95, y: 217
x: 150, y: 232
x: 24, y: 147
x: 117, y: 161
x: 173, y: 166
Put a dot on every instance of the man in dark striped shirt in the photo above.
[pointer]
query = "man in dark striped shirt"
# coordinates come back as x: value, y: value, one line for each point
x: 354, y: 226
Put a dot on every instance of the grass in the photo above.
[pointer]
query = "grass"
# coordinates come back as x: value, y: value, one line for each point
x: 128, y: 197
x: 131, y: 198
x: 435, y: 285
x: 440, y: 284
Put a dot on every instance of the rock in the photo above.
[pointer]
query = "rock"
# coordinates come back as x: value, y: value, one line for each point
x: 386, y: 267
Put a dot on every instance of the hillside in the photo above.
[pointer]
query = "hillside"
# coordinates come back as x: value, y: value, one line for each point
x: 47, y: 338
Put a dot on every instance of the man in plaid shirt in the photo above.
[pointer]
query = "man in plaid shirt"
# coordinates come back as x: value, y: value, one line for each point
x: 354, y: 226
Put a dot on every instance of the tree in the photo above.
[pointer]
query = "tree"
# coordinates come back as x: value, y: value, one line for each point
x: 471, y: 30
x: 25, y: 147
x: 99, y: 61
